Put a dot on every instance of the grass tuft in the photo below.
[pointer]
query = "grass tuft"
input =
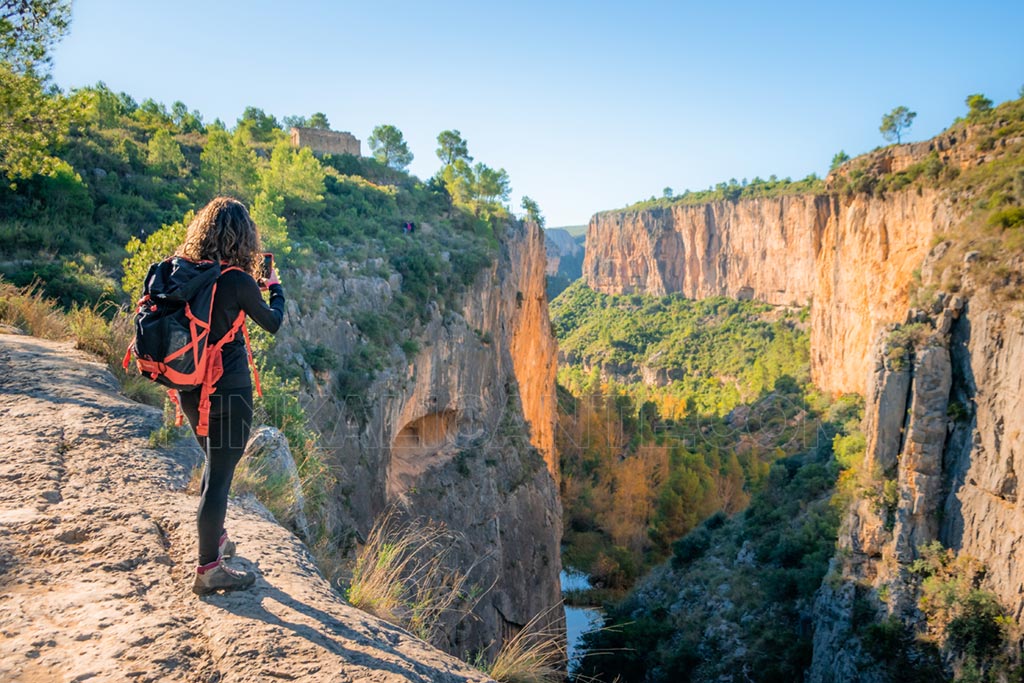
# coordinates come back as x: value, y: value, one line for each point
x: 536, y: 654
x: 403, y: 575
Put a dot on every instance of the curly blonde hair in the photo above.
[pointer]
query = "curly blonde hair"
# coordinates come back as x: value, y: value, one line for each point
x: 223, y: 231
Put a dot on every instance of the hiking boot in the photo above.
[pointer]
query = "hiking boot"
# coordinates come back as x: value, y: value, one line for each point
x: 226, y: 548
x: 220, y: 575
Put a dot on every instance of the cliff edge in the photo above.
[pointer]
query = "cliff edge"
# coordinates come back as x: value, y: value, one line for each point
x: 98, y: 547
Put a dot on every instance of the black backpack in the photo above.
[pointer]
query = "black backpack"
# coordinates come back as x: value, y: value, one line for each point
x: 172, y: 331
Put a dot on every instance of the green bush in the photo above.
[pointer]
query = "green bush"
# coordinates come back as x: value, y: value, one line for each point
x: 978, y: 629
x: 1010, y: 217
x: 321, y: 358
x: 690, y: 547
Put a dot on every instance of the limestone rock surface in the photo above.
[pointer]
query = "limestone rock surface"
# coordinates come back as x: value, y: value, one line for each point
x: 97, y: 553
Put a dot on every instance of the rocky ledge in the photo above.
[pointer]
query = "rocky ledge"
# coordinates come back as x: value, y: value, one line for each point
x: 97, y: 551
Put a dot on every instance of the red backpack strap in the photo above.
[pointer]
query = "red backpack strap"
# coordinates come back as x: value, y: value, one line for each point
x: 252, y: 363
x: 215, y: 367
x: 240, y: 322
x: 179, y: 417
x: 215, y: 370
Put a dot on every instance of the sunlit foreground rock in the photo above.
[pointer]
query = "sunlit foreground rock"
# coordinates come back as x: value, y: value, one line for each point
x: 97, y: 550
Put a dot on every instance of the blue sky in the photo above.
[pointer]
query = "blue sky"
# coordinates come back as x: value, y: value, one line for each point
x: 587, y: 105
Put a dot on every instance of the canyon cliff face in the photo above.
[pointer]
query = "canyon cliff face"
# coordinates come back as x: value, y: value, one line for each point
x: 852, y: 257
x: 941, y: 424
x: 459, y: 430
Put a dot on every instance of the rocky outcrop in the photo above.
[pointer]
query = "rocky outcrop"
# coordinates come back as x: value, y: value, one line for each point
x: 458, y: 427
x: 98, y: 549
x: 854, y: 257
x: 268, y: 456
x: 938, y: 428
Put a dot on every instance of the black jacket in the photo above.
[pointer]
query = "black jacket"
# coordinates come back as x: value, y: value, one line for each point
x: 238, y: 291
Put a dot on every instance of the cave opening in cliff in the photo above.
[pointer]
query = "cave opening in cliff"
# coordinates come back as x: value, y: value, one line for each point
x: 424, y: 435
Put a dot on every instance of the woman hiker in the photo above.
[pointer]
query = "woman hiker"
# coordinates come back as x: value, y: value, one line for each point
x: 223, y: 231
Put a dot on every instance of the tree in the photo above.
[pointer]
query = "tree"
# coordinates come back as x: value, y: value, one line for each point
x: 215, y: 162
x: 838, y: 160
x: 165, y: 157
x: 667, y: 193
x: 451, y: 146
x: 142, y: 254
x: 266, y: 213
x: 532, y: 209
x: 260, y: 125
x: 28, y: 28
x: 319, y: 121
x: 389, y: 147
x: 458, y: 179
x: 292, y: 175
x: 227, y: 166
x: 153, y: 115
x: 977, y: 104
x: 895, y: 122
x: 186, y: 121
x: 491, y: 184
x: 33, y: 122
x: 100, y: 106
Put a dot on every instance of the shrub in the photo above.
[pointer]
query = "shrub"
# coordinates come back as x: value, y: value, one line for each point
x: 1010, y: 217
x: 691, y: 547
x: 885, y: 640
x: 978, y: 629
x: 321, y: 358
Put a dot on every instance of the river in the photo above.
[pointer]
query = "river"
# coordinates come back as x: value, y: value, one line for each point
x: 578, y: 620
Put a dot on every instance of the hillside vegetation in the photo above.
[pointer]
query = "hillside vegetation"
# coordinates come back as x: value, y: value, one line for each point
x: 735, y: 597
x: 644, y: 462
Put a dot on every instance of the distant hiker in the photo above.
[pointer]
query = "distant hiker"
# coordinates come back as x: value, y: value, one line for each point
x: 223, y: 232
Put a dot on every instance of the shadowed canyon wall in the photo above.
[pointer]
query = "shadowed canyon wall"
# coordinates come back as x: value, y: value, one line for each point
x: 460, y: 430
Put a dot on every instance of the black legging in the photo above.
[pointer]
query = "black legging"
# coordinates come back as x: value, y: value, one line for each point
x: 230, y: 422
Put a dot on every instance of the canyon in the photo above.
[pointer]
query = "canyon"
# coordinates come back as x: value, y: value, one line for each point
x: 903, y: 311
x: 854, y: 259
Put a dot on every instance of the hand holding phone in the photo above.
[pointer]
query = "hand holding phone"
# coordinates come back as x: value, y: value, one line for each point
x: 268, y: 274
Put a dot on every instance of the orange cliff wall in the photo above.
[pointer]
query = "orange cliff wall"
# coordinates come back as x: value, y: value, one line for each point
x: 851, y: 258
x: 533, y: 347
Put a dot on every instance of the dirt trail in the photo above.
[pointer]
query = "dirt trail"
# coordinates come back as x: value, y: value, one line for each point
x: 97, y: 546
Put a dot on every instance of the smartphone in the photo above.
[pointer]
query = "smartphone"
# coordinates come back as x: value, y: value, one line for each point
x: 266, y: 269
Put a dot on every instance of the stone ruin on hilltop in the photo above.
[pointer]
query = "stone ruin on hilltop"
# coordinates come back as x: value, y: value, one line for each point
x: 326, y: 141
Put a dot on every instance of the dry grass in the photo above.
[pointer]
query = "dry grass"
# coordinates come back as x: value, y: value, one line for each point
x: 27, y: 309
x: 107, y: 330
x: 403, y: 575
x: 537, y: 654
